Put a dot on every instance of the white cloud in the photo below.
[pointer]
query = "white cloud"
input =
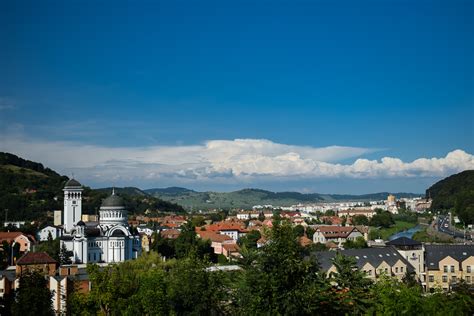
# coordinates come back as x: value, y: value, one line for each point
x: 225, y: 160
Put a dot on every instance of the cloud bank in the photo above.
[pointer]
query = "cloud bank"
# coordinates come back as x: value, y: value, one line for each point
x: 226, y: 160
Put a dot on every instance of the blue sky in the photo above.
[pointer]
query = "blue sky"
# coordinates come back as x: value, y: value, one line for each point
x: 142, y: 79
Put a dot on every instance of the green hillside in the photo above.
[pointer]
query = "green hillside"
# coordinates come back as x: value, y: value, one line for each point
x: 28, y: 191
x: 247, y: 198
x: 455, y: 192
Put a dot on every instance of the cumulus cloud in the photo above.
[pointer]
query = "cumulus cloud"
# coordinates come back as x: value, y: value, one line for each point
x: 239, y: 159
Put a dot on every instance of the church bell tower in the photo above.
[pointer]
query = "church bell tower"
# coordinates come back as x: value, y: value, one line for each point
x: 72, y: 205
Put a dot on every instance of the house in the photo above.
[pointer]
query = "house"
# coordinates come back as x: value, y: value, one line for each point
x: 145, y: 230
x: 36, y: 261
x: 25, y: 241
x: 337, y: 234
x: 43, y: 233
x: 331, y: 220
x: 235, y: 230
x: 231, y: 251
x: 170, y: 233
x: 218, y: 241
x: 446, y: 265
x: 373, y: 261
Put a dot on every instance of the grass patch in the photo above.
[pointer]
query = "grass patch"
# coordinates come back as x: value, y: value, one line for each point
x: 384, y: 233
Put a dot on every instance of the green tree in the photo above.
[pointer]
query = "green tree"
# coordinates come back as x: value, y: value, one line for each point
x: 356, y: 244
x: 33, y: 296
x: 360, y: 220
x: 298, y: 230
x: 250, y: 239
x: 65, y: 255
x: 280, y: 281
x: 382, y: 219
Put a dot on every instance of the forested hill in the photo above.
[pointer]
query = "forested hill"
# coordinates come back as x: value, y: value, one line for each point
x: 28, y: 191
x: 455, y: 192
x: 247, y: 198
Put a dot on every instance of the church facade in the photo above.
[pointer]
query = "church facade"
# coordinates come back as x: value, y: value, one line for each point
x: 109, y: 240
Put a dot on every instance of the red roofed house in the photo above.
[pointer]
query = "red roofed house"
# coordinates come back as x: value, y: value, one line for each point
x: 36, y: 261
x: 25, y: 241
x: 331, y: 220
x: 233, y: 230
x: 218, y: 241
x: 337, y: 234
x: 231, y: 250
x: 170, y: 233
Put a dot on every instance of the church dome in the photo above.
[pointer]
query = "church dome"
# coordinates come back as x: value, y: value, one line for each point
x: 73, y: 183
x: 113, y: 201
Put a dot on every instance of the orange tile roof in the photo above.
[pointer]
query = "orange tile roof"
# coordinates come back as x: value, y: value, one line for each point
x: 213, y: 236
x: 231, y: 247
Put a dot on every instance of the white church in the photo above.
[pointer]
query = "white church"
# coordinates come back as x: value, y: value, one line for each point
x: 108, y: 240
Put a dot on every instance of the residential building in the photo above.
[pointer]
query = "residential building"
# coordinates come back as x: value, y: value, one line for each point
x: 25, y: 241
x: 373, y: 261
x: 218, y: 241
x: 446, y: 265
x: 45, y: 232
x: 336, y: 234
x: 412, y: 251
x: 36, y: 261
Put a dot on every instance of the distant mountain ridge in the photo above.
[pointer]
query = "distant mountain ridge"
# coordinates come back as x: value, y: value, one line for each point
x: 247, y: 198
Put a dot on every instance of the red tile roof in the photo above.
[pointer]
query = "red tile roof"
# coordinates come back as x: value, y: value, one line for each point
x: 35, y: 258
x: 213, y: 236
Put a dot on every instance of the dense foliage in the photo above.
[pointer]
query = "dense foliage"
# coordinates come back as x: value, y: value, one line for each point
x: 33, y: 297
x: 280, y: 278
x: 28, y: 191
x: 455, y: 192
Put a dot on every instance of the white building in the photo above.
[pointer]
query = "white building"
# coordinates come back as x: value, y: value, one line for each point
x: 108, y: 241
x: 43, y: 233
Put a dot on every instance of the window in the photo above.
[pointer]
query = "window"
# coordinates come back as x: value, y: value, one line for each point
x: 468, y: 279
x: 396, y: 269
x: 454, y: 279
x: 445, y: 269
x: 431, y: 278
x: 452, y: 268
x: 468, y: 269
x: 445, y: 278
x: 401, y: 269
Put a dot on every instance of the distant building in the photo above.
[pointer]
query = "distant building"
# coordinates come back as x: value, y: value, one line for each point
x: 16, y: 224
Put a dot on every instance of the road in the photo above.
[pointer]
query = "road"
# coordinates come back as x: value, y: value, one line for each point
x: 445, y: 227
